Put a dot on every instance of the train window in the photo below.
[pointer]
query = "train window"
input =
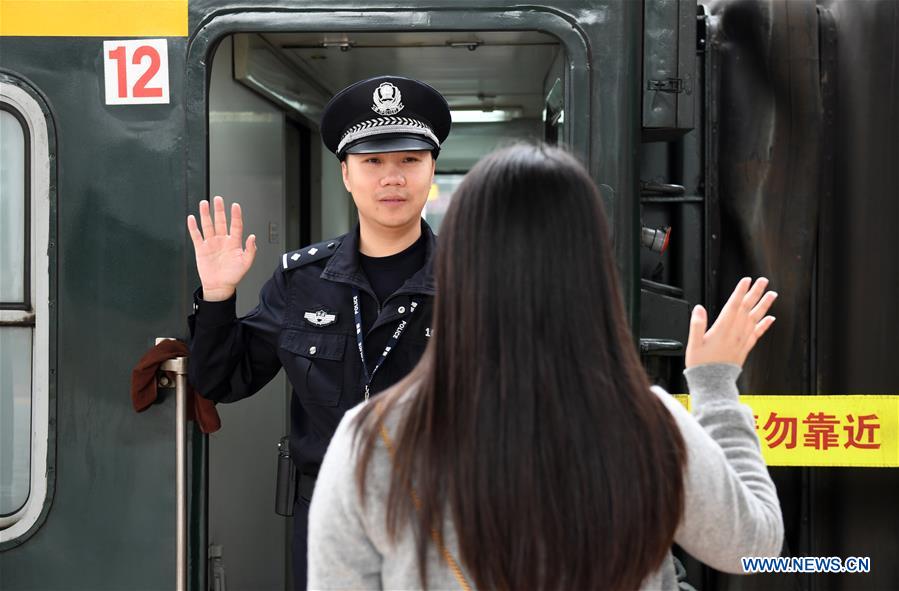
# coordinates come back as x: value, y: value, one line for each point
x: 15, y: 417
x: 24, y: 315
x: 12, y: 209
x: 15, y: 341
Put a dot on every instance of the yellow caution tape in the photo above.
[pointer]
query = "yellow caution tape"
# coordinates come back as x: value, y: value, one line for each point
x: 93, y: 18
x: 859, y: 431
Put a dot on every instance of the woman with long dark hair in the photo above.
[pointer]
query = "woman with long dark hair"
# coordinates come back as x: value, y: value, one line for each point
x: 527, y: 450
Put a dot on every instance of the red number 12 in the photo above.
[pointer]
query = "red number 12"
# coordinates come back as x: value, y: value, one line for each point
x: 140, y: 88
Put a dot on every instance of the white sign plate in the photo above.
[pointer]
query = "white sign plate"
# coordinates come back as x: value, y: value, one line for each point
x: 136, y: 72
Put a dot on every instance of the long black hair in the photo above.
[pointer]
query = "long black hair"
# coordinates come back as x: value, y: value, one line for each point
x: 531, y: 419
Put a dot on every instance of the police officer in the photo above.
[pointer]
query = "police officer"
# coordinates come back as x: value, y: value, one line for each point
x: 347, y: 317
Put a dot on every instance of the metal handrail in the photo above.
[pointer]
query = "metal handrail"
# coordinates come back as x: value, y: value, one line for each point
x: 178, y: 366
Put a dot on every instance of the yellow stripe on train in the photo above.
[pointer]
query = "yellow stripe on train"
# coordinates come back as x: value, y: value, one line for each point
x: 859, y: 431
x: 93, y: 18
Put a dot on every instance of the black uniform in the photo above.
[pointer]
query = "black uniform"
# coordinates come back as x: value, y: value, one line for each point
x: 305, y: 320
x: 305, y: 323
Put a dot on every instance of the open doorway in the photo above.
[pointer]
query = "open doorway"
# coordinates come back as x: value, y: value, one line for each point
x: 266, y: 94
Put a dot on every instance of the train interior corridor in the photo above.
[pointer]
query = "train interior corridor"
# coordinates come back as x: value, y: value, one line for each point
x: 266, y: 94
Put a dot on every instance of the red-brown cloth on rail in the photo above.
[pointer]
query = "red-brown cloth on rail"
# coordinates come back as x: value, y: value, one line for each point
x: 143, y: 385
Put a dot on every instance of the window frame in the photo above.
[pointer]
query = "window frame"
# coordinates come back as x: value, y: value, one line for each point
x: 38, y: 309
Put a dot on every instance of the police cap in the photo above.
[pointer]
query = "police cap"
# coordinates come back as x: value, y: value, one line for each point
x: 385, y: 114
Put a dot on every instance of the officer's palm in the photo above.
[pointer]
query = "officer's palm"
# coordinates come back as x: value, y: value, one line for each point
x: 222, y: 260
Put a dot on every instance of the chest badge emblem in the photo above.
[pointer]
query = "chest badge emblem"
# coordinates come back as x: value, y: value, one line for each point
x: 320, y: 318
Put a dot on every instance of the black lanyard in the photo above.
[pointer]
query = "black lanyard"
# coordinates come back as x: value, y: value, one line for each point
x: 357, y: 314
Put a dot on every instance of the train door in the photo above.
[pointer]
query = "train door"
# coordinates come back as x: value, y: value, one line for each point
x: 266, y: 93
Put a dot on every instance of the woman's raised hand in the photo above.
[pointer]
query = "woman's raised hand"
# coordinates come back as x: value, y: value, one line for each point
x: 222, y: 260
x: 739, y: 326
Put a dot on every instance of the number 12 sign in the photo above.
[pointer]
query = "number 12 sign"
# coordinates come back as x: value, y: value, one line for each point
x: 136, y: 72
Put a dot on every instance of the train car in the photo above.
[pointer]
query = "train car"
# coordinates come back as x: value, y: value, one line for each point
x: 728, y: 137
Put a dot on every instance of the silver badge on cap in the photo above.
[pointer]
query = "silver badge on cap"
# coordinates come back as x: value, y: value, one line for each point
x: 387, y: 99
x: 320, y: 318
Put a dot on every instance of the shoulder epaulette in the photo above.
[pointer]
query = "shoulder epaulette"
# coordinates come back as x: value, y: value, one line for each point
x: 308, y: 254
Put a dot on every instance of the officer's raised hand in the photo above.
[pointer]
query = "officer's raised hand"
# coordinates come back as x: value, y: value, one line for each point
x: 222, y: 259
x: 741, y: 323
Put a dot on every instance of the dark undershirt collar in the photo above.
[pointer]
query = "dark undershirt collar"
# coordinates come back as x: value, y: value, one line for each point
x: 388, y: 274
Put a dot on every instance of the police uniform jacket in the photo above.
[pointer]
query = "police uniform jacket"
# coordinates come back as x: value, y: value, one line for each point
x: 305, y: 323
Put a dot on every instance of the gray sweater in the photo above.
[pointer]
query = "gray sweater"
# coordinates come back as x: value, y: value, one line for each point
x: 731, y: 508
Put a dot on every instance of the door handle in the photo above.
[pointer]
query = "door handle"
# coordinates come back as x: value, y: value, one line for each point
x: 178, y: 366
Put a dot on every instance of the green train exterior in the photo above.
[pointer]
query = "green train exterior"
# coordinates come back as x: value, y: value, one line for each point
x: 762, y: 132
